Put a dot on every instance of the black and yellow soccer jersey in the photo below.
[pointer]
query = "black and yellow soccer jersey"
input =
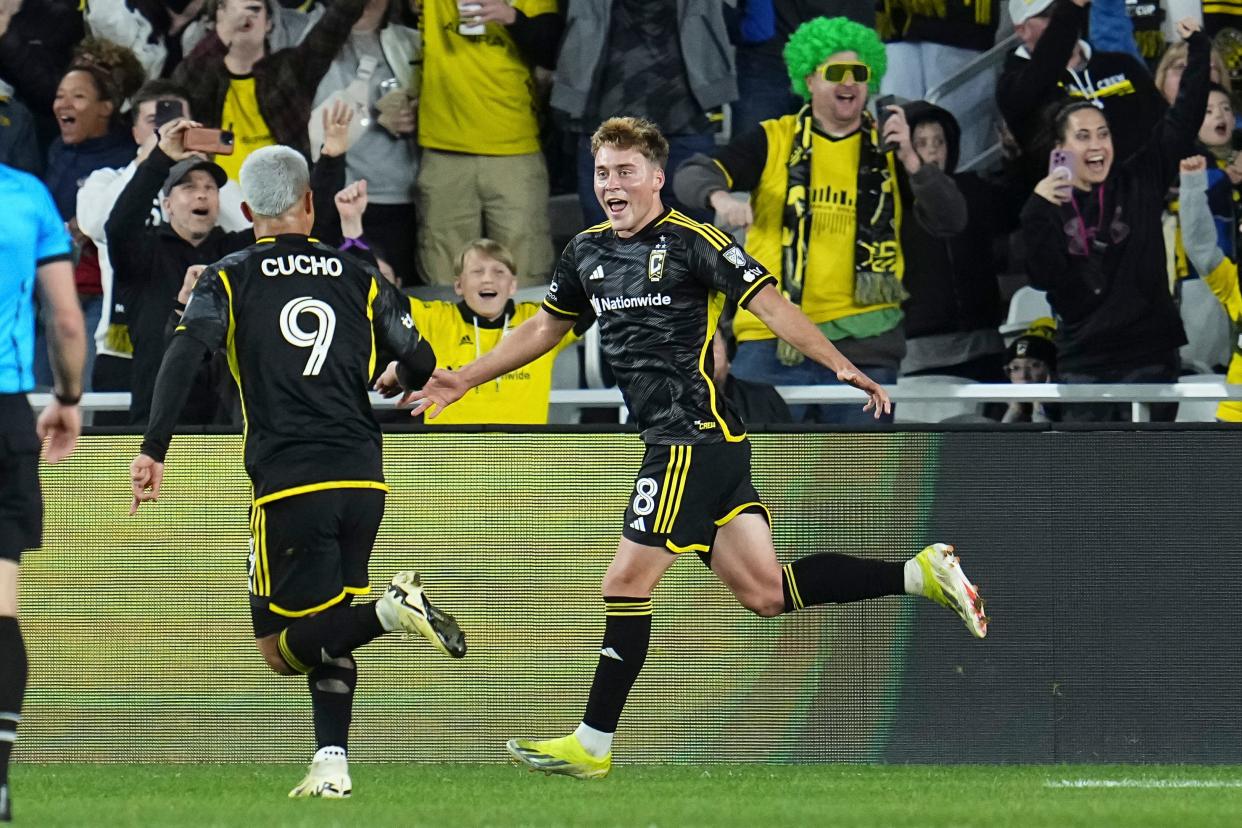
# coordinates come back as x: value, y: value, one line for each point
x: 300, y: 322
x: 658, y: 297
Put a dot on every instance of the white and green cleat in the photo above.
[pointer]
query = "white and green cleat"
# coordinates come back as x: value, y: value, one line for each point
x: 328, y: 777
x: 565, y: 756
x: 405, y: 601
x: 946, y: 584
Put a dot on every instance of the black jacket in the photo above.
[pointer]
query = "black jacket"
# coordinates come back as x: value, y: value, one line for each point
x: 1031, y: 90
x: 1114, y: 306
x: 952, y: 280
x: 149, y: 264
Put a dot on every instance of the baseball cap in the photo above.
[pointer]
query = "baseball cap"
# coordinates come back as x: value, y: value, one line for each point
x: 188, y: 165
x: 1022, y: 10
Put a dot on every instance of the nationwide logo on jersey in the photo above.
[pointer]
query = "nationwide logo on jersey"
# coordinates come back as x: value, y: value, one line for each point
x: 597, y: 273
x: 655, y: 261
x: 613, y: 303
x: 735, y: 256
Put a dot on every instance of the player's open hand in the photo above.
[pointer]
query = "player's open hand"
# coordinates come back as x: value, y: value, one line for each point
x: 58, y: 428
x: 145, y: 476
x: 877, y: 398
x: 442, y: 390
x: 1187, y: 26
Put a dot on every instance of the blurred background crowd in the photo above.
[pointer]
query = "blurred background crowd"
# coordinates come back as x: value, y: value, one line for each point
x: 971, y: 189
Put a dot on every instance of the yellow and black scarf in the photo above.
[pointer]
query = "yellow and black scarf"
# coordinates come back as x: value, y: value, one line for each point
x: 875, y: 235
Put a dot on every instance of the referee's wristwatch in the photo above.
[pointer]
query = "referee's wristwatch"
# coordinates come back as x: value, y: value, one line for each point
x: 65, y: 399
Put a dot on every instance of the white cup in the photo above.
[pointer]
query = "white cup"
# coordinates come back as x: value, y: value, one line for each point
x: 468, y: 11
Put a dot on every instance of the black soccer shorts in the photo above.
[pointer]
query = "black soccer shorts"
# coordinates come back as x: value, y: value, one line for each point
x: 683, y: 494
x: 309, y: 552
x: 21, y: 500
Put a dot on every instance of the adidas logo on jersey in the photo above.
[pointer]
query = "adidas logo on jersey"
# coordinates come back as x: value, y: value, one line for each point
x: 597, y: 273
x: 466, y: 340
x: 639, y: 524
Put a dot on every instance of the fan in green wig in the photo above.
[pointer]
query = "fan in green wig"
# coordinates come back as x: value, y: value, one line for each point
x: 816, y: 39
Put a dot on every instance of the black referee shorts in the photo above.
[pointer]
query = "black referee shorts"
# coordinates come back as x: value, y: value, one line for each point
x: 21, y: 499
x: 683, y: 494
x: 309, y: 552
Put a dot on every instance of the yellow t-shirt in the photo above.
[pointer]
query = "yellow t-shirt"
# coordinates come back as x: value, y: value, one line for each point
x: 519, y: 397
x: 478, y: 94
x: 1224, y: 284
x: 241, y: 116
x: 828, y: 286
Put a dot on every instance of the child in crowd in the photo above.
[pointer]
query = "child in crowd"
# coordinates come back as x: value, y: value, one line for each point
x: 1032, y: 357
x: 1219, y: 271
x: 1225, y: 173
x: 463, y: 331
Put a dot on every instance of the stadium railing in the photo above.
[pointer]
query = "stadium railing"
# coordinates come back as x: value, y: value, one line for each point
x: 1139, y: 396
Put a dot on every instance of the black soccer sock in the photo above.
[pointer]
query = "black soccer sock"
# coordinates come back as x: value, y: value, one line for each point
x: 12, y: 688
x: 333, y: 633
x: 828, y: 578
x: 332, y: 686
x: 627, y: 632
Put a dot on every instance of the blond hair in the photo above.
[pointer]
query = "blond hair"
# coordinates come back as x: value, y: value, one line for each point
x: 1179, y: 51
x: 491, y: 249
x: 632, y: 133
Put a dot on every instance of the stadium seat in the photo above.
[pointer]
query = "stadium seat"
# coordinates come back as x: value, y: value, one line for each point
x: 933, y: 412
x: 1198, y: 411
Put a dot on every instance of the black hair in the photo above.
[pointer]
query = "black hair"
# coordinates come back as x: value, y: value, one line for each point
x: 158, y: 90
x: 1061, y: 121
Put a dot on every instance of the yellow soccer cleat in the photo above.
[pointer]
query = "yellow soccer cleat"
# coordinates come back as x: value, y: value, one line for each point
x: 946, y: 584
x: 407, y: 603
x: 565, y: 756
x: 328, y: 776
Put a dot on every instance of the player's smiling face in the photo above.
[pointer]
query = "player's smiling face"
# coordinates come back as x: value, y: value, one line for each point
x: 486, y: 284
x: 627, y: 186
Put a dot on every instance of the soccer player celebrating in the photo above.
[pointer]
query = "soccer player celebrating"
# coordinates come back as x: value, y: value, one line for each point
x: 301, y: 322
x: 658, y: 281
x: 35, y: 249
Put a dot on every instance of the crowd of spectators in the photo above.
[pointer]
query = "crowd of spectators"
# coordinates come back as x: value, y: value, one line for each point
x: 440, y: 130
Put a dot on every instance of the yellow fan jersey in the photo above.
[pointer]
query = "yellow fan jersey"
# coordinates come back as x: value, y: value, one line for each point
x: 458, y: 336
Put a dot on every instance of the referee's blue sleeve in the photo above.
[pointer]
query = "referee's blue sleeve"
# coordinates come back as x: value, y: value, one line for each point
x: 53, y: 242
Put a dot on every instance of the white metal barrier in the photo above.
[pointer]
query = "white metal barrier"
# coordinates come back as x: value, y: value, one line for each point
x: 1139, y: 396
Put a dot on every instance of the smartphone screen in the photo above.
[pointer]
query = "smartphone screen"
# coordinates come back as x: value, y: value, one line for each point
x: 168, y: 110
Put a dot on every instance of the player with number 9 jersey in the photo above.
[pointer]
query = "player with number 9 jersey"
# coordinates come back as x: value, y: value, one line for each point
x: 301, y: 324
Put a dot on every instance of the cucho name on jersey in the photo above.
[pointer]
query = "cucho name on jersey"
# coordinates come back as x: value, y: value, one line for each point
x: 301, y: 264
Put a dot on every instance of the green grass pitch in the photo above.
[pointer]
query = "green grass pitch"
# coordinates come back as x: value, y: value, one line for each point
x: 254, y: 796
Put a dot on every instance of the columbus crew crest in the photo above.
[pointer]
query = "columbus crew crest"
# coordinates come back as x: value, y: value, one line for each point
x: 655, y: 260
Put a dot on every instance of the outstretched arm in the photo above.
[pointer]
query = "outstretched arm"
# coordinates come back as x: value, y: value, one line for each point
x: 202, y: 330
x: 791, y: 324
x: 531, y: 340
x: 1198, y: 228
